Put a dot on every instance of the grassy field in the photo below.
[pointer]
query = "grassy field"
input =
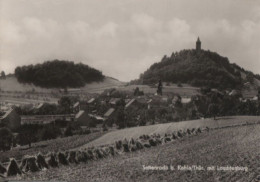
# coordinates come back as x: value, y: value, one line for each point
x: 234, y: 146
x: 54, y: 145
x: 135, y: 132
x: 185, y: 91
x: 11, y: 84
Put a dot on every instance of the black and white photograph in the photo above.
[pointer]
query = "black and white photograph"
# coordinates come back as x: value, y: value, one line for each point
x: 130, y: 90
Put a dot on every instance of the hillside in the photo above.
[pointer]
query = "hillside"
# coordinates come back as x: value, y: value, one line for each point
x: 12, y: 85
x: 198, y: 68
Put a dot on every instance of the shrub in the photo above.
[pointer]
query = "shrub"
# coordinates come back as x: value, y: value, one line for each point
x: 6, y: 137
x: 68, y: 131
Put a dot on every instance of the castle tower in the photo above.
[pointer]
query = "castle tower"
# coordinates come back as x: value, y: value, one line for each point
x: 198, y: 45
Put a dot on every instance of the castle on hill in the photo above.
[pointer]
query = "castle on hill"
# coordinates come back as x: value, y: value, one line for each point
x: 198, y: 44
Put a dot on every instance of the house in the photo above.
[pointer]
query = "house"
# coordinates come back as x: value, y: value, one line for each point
x: 45, y: 119
x: 109, y: 113
x: 38, y: 106
x: 98, y: 118
x: 91, y: 101
x: 10, y: 119
x: 129, y: 103
x: 76, y: 107
x: 88, y: 105
x: 82, y: 118
x: 114, y: 101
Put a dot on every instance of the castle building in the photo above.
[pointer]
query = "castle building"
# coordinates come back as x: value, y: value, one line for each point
x: 198, y: 45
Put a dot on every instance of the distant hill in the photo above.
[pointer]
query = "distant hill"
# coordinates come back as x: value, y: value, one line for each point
x: 199, y: 69
x: 58, y: 74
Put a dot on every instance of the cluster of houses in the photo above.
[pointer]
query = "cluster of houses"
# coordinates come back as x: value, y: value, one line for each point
x: 103, y: 108
x: 97, y: 108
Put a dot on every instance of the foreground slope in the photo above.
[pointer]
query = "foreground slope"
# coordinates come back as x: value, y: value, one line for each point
x: 234, y: 146
x: 135, y: 132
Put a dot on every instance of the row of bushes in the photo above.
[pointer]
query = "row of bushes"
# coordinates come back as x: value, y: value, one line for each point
x: 39, y: 162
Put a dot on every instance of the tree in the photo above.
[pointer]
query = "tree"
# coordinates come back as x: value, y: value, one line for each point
x: 65, y: 103
x: 6, y: 138
x: 3, y: 75
x: 27, y: 134
x: 120, y: 118
x: 213, y: 110
x: 250, y: 77
x: 68, y: 131
x: 159, y: 89
x: 49, y: 132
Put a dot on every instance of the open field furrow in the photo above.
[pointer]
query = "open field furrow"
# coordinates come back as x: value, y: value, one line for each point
x: 222, y: 147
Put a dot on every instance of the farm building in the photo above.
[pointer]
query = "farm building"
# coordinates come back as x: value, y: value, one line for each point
x: 109, y: 113
x: 76, y: 107
x: 45, y: 119
x: 114, y: 101
x: 10, y: 119
x: 82, y: 118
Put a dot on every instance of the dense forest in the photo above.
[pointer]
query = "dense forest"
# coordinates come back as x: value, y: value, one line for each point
x: 58, y: 74
x: 198, y: 68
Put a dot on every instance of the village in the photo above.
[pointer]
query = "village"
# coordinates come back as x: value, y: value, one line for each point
x: 138, y: 108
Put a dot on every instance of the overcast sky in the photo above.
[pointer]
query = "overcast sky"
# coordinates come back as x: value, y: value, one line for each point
x: 123, y: 38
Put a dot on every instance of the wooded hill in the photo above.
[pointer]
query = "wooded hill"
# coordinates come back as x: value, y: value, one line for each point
x: 58, y: 74
x: 197, y: 68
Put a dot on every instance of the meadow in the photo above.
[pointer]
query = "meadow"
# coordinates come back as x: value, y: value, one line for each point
x: 135, y: 132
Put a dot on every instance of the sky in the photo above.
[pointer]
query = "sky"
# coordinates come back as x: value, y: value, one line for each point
x: 122, y: 38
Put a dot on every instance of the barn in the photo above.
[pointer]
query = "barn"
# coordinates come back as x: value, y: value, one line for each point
x: 10, y: 119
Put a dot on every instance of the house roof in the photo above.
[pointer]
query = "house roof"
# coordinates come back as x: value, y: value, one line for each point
x: 129, y: 103
x: 97, y: 117
x: 79, y: 114
x: 109, y: 112
x: 76, y: 104
x: 39, y: 106
x: 114, y: 100
x: 6, y: 114
x: 91, y: 100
